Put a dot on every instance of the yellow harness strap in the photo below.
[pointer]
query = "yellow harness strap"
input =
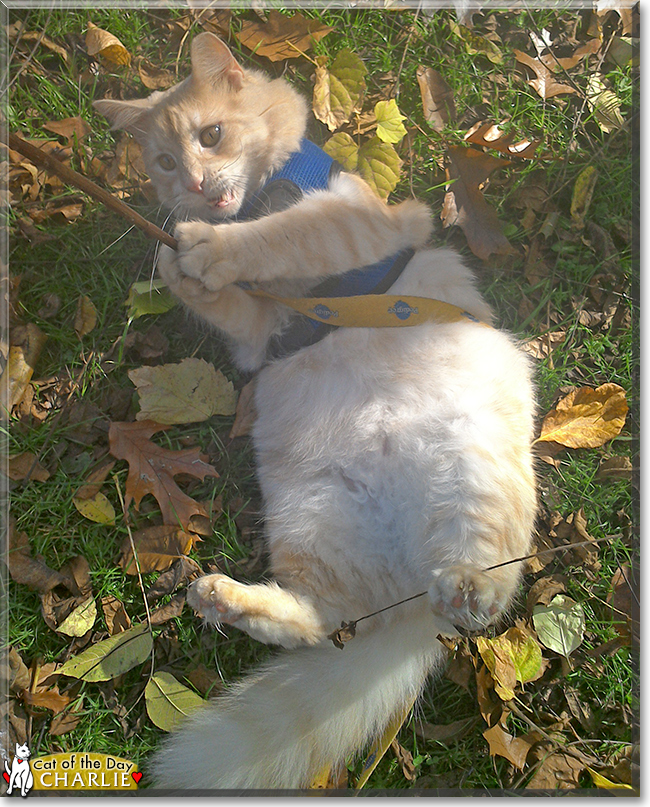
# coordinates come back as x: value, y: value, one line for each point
x: 373, y: 310
x: 377, y: 751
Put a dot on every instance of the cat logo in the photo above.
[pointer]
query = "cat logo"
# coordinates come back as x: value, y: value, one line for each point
x: 20, y: 774
x: 323, y: 312
x: 402, y: 310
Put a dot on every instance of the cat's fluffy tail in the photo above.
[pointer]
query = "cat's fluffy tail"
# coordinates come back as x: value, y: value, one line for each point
x: 305, y: 710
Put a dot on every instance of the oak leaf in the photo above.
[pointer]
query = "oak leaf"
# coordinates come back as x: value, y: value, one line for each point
x: 152, y: 470
x: 465, y: 206
x: 503, y: 744
x: 281, y: 37
x: 544, y: 83
x: 586, y: 417
x: 489, y: 135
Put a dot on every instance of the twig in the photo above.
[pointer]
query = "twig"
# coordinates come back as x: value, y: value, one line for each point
x: 348, y: 629
x: 71, y: 177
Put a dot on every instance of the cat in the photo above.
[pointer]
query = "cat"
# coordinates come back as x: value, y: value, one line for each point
x: 20, y: 775
x: 391, y: 460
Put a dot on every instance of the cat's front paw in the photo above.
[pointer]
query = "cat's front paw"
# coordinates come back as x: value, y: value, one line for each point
x: 466, y: 596
x: 201, y: 254
x: 188, y: 289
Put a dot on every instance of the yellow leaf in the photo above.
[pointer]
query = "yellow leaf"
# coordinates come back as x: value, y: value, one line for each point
x: 344, y: 150
x: 86, y: 316
x: 602, y: 782
x: 111, y: 657
x: 390, y: 128
x: 586, y: 418
x: 338, y: 91
x: 169, y: 702
x: 380, y: 165
x: 97, y: 509
x: 102, y: 43
x: 583, y: 190
x: 81, y: 620
x: 188, y: 392
x: 498, y: 659
x: 605, y: 104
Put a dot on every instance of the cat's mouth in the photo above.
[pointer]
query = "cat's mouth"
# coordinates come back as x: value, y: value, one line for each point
x: 224, y: 200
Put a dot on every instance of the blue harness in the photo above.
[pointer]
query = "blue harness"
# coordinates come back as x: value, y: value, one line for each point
x: 307, y: 170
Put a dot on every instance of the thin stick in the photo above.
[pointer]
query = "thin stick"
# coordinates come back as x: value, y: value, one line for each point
x: 354, y: 622
x: 71, y: 177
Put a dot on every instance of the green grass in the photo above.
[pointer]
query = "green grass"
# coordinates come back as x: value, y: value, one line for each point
x: 97, y: 256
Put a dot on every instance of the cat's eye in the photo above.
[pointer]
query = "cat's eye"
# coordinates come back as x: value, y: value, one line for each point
x: 210, y: 136
x: 167, y: 162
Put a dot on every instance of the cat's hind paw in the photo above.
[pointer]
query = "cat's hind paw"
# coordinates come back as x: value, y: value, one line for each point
x: 466, y: 596
x: 218, y: 598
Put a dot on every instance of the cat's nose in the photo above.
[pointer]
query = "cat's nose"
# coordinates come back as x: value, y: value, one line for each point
x: 195, y: 184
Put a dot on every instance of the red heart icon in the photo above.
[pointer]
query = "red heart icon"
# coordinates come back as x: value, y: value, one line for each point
x: 6, y: 776
x: 137, y: 777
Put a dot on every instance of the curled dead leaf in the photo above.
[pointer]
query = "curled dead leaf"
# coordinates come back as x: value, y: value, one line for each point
x: 102, y: 43
x: 437, y: 98
x: 344, y: 634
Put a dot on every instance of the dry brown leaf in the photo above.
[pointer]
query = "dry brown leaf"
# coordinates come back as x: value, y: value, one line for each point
x: 166, y: 612
x: 26, y: 570
x: 544, y: 84
x: 46, y: 42
x: 405, y: 759
x: 94, y: 480
x: 154, y: 78
x: 556, y: 63
x: 281, y: 37
x: 503, y: 744
x: 246, y: 413
x: 437, y: 98
x: 117, y: 620
x: 557, y: 770
x: 541, y: 347
x: 465, y: 206
x: 26, y: 347
x: 206, y: 681
x: 48, y: 699
x: 156, y: 548
x: 182, y: 572
x: 446, y: 733
x: 615, y: 468
x: 27, y: 465
x: 68, y: 720
x: 490, y: 136
x: 73, y: 129
x: 489, y: 704
x: 540, y: 559
x: 86, y: 316
x: 152, y: 470
x: 102, y: 43
x: 586, y: 417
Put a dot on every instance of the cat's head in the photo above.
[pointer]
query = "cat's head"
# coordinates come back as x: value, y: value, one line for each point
x: 210, y: 141
x: 22, y: 751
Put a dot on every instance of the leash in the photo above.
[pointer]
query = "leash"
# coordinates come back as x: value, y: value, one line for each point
x: 375, y: 754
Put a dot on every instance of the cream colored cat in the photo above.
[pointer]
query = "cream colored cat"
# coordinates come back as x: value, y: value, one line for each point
x: 391, y: 460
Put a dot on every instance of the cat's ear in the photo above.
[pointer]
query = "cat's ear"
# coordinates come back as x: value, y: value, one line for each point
x: 213, y: 62
x: 126, y: 115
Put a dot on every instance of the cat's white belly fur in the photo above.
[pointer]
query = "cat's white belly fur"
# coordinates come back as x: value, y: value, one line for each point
x: 380, y: 452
